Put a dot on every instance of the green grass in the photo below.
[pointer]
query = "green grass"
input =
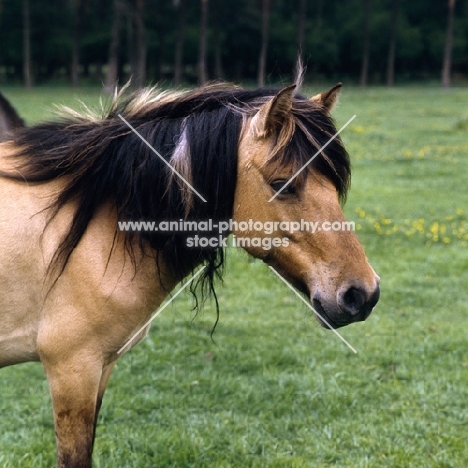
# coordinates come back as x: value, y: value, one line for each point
x: 275, y: 389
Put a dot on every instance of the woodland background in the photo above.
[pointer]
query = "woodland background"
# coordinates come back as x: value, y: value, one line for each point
x: 256, y: 41
x: 274, y: 389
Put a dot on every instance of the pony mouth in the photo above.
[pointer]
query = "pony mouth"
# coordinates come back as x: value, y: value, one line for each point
x: 324, y: 318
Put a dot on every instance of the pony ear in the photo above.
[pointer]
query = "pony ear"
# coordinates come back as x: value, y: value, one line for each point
x: 329, y: 98
x: 271, y: 116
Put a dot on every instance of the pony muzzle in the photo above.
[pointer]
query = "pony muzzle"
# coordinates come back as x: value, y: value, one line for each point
x: 353, y: 304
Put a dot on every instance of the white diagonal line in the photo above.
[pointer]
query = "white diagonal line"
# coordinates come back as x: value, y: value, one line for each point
x: 312, y: 158
x: 160, y: 157
x: 160, y: 310
x: 313, y: 310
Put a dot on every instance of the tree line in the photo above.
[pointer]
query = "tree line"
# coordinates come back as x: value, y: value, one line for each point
x: 189, y: 41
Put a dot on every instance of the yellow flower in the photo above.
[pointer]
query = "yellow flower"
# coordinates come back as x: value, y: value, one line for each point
x: 435, y: 231
x: 361, y: 213
x: 423, y: 151
x: 419, y: 225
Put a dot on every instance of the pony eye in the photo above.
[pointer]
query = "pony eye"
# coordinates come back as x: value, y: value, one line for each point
x: 278, y: 185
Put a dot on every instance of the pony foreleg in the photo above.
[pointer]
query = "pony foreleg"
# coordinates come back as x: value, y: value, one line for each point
x: 106, y: 372
x: 77, y: 386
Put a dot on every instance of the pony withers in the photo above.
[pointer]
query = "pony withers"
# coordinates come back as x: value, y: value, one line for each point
x: 74, y: 288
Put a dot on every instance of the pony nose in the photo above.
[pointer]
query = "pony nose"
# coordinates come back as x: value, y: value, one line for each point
x: 357, y: 303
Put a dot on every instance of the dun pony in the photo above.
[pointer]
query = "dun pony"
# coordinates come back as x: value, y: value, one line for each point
x: 74, y: 288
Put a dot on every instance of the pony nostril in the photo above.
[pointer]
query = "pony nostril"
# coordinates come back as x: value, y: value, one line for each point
x: 357, y: 303
x: 353, y: 300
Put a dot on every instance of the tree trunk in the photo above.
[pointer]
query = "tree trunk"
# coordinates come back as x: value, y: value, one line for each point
x: 218, y: 46
x: 27, y: 73
x: 179, y: 47
x: 366, y: 43
x: 138, y: 52
x: 202, y: 69
x: 77, y: 21
x: 112, y: 74
x: 301, y: 28
x: 392, y: 45
x: 447, y: 60
x: 159, y: 65
x: 315, y: 34
x: 264, y: 47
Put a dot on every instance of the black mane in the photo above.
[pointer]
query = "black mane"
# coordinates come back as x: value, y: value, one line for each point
x: 9, y: 119
x: 104, y: 161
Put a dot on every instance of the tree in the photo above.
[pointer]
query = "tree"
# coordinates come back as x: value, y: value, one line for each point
x: 77, y: 6
x: 301, y: 28
x: 138, y: 45
x: 114, y: 48
x: 202, y: 68
x: 447, y: 60
x: 230, y: 39
x: 264, y: 47
x: 366, y: 43
x: 392, y: 44
x: 180, y: 37
x: 27, y: 73
x: 218, y: 45
x: 315, y: 36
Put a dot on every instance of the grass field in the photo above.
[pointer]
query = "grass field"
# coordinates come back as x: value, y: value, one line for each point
x: 275, y: 389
